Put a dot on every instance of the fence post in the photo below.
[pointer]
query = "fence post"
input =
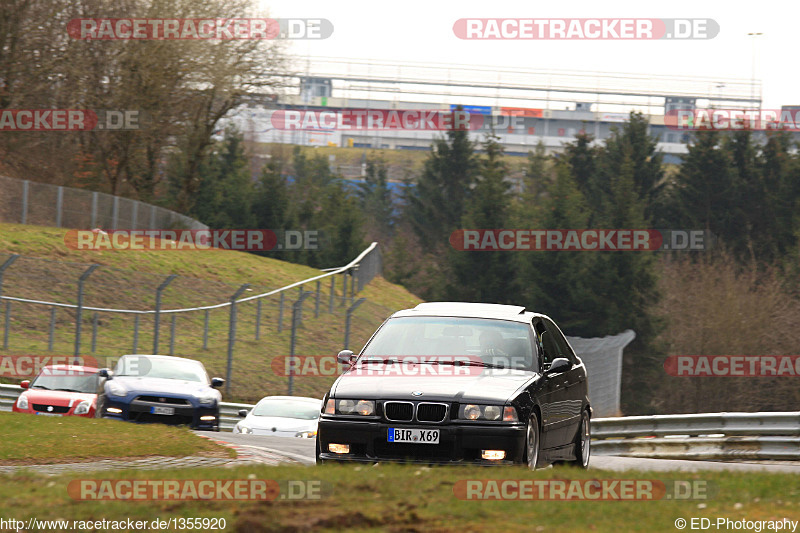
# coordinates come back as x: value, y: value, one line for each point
x: 316, y: 303
x: 297, y: 310
x: 258, y: 318
x: 52, y: 332
x: 25, y: 185
x: 3, y: 268
x: 350, y: 311
x: 353, y: 283
x: 157, y: 319
x: 94, y: 210
x: 79, y: 310
x: 205, y: 332
x: 6, y: 323
x: 280, y: 314
x: 344, y: 289
x: 59, y: 205
x: 136, y: 334
x: 94, y: 332
x: 115, y: 212
x: 232, y: 336
x: 172, y: 334
x: 333, y: 294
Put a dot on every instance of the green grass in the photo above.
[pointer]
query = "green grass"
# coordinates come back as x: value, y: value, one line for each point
x: 412, y: 498
x: 30, y: 439
x: 49, y: 271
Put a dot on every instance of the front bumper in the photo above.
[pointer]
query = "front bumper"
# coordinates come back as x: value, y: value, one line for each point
x: 459, y: 443
x: 183, y: 415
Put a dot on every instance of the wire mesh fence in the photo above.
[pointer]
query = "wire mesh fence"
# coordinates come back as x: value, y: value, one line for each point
x: 42, y: 204
x: 78, y: 309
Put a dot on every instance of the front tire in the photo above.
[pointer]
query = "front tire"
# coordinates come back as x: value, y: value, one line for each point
x: 583, y: 442
x: 532, y: 442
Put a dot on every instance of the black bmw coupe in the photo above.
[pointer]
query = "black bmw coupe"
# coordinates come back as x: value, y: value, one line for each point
x: 457, y: 383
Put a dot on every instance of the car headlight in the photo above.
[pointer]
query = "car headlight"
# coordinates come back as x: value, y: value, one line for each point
x: 206, y: 399
x: 115, y: 389
x: 82, y: 408
x: 355, y: 407
x: 243, y: 429
x: 22, y: 402
x: 306, y: 434
x: 487, y: 412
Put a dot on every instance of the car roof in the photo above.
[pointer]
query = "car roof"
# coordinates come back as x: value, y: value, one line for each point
x: 300, y: 398
x: 515, y: 313
x: 154, y: 356
x: 73, y: 368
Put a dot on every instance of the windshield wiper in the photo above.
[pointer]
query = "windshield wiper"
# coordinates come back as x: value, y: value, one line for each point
x: 40, y: 387
x: 458, y: 362
x: 70, y: 390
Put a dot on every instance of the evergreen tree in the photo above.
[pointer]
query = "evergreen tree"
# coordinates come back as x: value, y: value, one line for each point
x: 225, y: 192
x: 485, y: 276
x: 376, y: 201
x: 436, y: 206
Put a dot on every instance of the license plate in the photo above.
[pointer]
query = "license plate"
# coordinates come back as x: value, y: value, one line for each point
x: 158, y: 410
x: 414, y: 436
x: 48, y: 414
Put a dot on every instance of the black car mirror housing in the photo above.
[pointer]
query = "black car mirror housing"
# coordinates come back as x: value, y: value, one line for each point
x: 559, y: 364
x: 105, y: 373
x: 217, y: 382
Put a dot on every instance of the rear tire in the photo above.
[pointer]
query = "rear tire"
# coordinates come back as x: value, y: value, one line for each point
x: 532, y: 442
x: 583, y: 442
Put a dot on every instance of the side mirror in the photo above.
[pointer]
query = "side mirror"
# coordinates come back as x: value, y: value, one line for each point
x: 217, y: 382
x: 346, y: 357
x: 25, y: 384
x: 105, y: 373
x: 243, y: 412
x: 559, y: 364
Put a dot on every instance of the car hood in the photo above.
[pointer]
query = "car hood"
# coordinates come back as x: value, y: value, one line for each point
x: 60, y: 398
x: 167, y: 387
x: 281, y: 424
x: 490, y: 385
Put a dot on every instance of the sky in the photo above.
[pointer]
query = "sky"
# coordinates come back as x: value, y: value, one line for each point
x: 422, y: 31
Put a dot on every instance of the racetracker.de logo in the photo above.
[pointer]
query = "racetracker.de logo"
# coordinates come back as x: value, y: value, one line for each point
x: 381, y: 119
x: 195, y: 489
x: 592, y: 29
x: 733, y: 119
x: 596, y: 240
x: 199, y: 29
x: 582, y: 489
x: 29, y: 366
x: 751, y: 366
x: 245, y: 240
x: 383, y: 366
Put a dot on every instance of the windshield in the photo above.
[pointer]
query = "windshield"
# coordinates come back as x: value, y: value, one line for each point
x: 161, y: 368
x: 495, y: 342
x: 287, y: 409
x: 72, y: 382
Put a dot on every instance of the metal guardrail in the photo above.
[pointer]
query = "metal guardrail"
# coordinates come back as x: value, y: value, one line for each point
x: 706, y: 436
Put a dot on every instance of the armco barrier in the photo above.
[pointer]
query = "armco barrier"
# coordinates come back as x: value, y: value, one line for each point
x: 706, y: 436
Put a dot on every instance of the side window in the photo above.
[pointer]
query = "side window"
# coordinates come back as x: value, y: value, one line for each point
x: 546, y: 344
x: 560, y: 343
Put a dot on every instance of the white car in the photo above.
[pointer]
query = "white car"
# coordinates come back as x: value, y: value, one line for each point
x: 282, y: 416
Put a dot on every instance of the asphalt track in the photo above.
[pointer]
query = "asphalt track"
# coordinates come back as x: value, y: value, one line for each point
x: 302, y: 451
